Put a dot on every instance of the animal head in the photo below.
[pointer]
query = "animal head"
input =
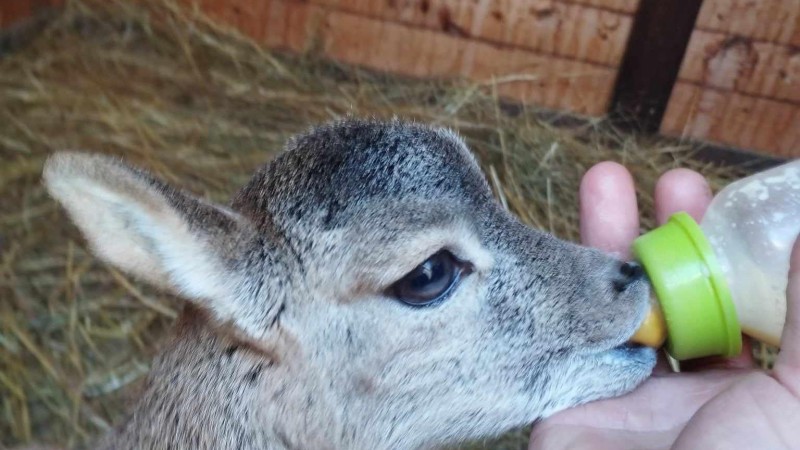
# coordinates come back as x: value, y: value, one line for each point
x: 372, y: 262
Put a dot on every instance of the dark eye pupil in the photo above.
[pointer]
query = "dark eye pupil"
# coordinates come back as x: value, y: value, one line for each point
x: 429, y: 281
x: 429, y: 275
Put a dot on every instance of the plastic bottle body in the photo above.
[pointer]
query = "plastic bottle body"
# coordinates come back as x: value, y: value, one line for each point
x: 752, y: 225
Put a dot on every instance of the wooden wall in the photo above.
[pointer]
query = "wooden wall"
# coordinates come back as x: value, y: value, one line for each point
x: 556, y: 53
x: 740, y: 79
x: 738, y: 85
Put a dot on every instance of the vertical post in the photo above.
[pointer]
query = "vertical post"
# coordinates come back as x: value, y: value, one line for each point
x: 653, y: 57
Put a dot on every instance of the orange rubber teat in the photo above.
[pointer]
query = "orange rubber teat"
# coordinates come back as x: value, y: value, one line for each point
x: 653, y: 330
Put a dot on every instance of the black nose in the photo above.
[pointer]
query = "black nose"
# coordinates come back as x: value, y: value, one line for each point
x: 629, y: 272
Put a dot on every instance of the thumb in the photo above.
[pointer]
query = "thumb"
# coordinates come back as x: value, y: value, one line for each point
x: 787, y: 365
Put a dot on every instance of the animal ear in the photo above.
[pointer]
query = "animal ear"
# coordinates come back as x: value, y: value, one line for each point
x: 155, y: 232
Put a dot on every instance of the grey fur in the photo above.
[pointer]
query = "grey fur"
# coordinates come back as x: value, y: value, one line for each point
x: 291, y: 341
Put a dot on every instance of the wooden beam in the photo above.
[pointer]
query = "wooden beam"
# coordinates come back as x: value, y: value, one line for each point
x: 656, y: 47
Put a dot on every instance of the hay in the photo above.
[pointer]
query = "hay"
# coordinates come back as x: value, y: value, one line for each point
x: 203, y: 107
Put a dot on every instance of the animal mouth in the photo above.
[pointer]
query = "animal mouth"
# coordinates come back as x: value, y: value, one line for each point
x: 631, y: 352
x: 628, y: 347
x: 625, y: 350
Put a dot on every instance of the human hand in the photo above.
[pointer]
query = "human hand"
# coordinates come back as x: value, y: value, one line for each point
x: 727, y: 404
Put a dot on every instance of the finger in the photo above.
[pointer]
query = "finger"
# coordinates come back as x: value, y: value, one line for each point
x: 661, y: 402
x: 681, y: 190
x: 609, y: 214
x: 573, y: 437
x: 787, y: 364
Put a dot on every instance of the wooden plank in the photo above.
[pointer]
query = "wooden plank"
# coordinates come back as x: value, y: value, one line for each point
x: 241, y: 14
x: 564, y: 29
x: 628, y: 6
x: 289, y: 25
x: 386, y: 46
x: 652, y: 61
x: 274, y: 23
x: 769, y: 20
x: 375, y: 43
x: 734, y: 119
x: 547, y: 81
x: 735, y: 63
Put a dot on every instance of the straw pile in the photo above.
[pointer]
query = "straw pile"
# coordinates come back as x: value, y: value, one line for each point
x: 203, y: 107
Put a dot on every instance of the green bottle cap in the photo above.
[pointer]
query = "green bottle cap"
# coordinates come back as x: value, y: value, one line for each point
x: 694, y: 296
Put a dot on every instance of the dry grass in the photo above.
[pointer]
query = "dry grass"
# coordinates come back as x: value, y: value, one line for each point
x: 202, y: 108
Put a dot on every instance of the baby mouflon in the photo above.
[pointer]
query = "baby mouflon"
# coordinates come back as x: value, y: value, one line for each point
x: 364, y: 290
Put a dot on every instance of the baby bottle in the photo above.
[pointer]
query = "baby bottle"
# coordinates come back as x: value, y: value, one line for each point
x: 727, y: 275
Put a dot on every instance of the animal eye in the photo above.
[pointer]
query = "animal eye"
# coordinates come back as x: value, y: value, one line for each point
x: 430, y: 281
